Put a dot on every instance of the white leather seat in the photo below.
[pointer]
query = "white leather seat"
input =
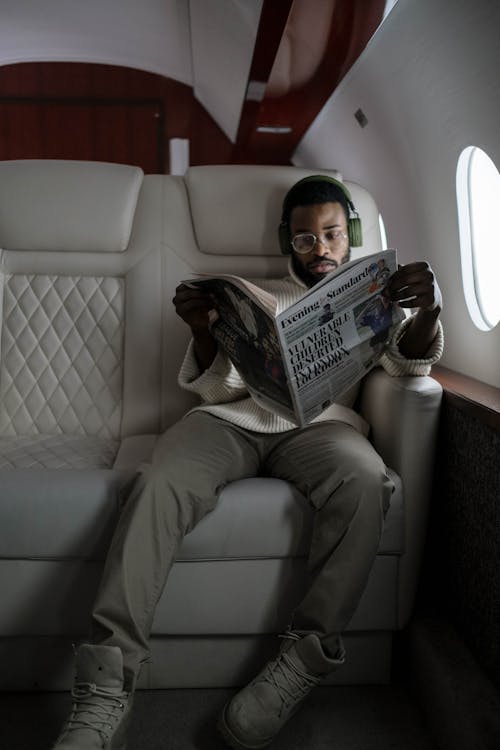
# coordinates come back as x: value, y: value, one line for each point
x: 68, y: 466
x: 80, y: 282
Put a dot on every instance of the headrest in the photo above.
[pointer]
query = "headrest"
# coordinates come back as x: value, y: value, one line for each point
x: 236, y: 209
x: 73, y: 206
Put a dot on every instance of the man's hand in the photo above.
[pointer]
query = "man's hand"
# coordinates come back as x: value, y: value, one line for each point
x: 194, y: 306
x: 415, y: 285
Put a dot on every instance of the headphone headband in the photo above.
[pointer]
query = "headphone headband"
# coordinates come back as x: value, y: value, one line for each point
x: 321, y: 178
x: 353, y: 221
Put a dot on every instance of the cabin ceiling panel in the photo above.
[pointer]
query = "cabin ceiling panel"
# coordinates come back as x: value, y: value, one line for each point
x: 317, y: 44
x: 152, y: 36
x: 224, y: 49
x: 303, y: 45
x: 223, y: 38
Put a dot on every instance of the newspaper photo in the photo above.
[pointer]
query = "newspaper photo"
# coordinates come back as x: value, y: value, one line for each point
x: 298, y: 362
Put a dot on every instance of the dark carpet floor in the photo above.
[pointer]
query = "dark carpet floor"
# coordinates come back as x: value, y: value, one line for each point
x: 334, y: 718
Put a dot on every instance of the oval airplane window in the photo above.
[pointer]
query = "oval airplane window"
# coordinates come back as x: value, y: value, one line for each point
x: 478, y: 198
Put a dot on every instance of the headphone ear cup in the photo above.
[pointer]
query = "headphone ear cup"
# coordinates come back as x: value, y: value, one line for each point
x: 284, y: 238
x: 354, y: 231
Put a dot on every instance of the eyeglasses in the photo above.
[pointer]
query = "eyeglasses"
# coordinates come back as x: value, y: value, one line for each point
x: 305, y: 243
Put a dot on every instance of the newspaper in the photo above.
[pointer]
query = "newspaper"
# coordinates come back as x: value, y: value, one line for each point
x: 296, y: 363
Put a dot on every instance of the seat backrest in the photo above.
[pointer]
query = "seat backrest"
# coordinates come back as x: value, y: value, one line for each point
x: 79, y: 290
x: 91, y: 256
x: 224, y: 219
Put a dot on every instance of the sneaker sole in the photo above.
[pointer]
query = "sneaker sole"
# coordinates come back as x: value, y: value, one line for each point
x: 231, y: 739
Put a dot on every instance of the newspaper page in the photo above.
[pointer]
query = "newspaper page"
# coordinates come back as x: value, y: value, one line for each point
x: 245, y: 328
x: 297, y: 363
x: 336, y: 333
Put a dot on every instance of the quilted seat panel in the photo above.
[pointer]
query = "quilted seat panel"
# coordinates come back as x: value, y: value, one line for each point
x: 61, y: 355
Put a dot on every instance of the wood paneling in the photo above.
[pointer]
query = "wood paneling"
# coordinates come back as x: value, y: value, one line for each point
x: 352, y: 26
x: 103, y: 112
x: 478, y: 400
x: 123, y: 132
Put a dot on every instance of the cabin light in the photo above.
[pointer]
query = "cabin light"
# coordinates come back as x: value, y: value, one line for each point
x: 179, y: 155
x: 256, y: 91
x: 278, y: 129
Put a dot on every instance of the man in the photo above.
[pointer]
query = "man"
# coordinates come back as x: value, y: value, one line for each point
x: 228, y: 437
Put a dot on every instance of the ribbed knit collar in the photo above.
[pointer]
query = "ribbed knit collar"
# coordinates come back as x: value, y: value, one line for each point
x: 295, y: 276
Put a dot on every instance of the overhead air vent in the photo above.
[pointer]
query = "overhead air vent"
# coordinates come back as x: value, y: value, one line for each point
x: 256, y: 91
x: 361, y: 118
x: 279, y: 129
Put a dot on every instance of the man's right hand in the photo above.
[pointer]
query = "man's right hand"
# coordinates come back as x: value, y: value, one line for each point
x: 194, y: 306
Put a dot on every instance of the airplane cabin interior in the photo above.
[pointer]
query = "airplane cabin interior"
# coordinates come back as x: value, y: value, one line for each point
x: 142, y: 143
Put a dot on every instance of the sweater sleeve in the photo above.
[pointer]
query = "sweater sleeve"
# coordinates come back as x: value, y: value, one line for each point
x: 220, y: 383
x: 396, y: 364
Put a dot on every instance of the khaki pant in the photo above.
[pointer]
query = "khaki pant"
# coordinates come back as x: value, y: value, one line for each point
x: 334, y: 467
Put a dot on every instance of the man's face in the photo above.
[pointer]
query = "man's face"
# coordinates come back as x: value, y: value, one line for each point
x: 325, y: 221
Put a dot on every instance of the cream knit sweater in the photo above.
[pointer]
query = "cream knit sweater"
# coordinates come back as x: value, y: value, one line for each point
x: 224, y: 394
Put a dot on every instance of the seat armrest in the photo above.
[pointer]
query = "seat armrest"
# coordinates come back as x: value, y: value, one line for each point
x: 400, y: 412
x: 403, y: 413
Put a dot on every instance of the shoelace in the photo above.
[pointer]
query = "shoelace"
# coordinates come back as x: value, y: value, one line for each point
x: 101, y: 711
x: 289, y: 681
x: 289, y: 635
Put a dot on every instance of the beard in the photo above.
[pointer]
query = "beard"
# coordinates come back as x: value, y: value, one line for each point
x: 309, y: 277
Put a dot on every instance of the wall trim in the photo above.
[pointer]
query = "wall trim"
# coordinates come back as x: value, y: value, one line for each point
x: 477, y: 399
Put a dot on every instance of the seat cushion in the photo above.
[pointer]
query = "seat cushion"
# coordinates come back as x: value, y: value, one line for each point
x: 51, y: 514
x: 268, y: 518
x: 60, y: 513
x: 56, y: 452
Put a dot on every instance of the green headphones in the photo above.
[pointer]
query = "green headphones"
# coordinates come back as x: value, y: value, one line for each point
x: 353, y: 224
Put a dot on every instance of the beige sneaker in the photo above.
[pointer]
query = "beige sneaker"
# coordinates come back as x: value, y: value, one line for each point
x: 255, y: 715
x: 101, y: 706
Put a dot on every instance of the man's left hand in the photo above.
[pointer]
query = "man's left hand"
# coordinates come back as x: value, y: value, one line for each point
x: 415, y: 285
